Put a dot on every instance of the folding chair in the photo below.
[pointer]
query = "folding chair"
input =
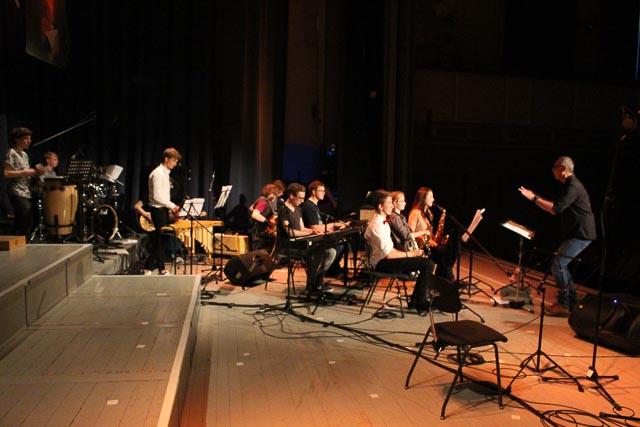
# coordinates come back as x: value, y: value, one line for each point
x: 399, y: 280
x: 465, y: 335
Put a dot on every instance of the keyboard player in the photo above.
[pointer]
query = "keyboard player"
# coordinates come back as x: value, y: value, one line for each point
x: 313, y: 218
x: 291, y: 226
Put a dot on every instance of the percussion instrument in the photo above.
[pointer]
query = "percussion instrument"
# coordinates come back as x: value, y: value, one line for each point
x: 105, y: 222
x: 60, y: 205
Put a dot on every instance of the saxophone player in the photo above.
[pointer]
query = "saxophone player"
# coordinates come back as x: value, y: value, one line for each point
x: 385, y: 258
x: 403, y: 238
x: 421, y: 219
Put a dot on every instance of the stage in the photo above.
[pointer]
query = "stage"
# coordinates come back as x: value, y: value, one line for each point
x: 88, y: 349
x: 141, y: 350
x: 257, y: 363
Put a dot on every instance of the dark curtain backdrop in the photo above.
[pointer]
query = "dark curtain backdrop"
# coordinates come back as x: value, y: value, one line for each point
x: 156, y: 74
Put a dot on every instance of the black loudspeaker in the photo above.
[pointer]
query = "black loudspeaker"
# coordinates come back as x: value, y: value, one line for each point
x: 249, y: 268
x: 619, y: 321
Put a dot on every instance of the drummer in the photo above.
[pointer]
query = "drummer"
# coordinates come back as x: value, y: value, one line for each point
x: 18, y: 173
x: 50, y: 165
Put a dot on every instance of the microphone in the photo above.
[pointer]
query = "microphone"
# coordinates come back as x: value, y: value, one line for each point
x: 213, y: 177
x: 77, y: 153
x: 439, y: 207
x: 326, y: 216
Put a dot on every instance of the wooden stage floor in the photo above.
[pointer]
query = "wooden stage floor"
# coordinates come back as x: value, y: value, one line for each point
x: 258, y: 364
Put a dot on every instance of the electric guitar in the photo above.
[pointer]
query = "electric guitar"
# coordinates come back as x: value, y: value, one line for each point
x: 148, y: 226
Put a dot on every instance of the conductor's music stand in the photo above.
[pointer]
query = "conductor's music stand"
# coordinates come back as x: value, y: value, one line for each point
x: 519, y: 283
x: 78, y: 172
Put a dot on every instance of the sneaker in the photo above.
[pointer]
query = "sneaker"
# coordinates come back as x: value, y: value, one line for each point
x: 164, y: 273
x: 423, y: 308
x: 147, y: 272
x: 326, y: 288
x: 556, y: 310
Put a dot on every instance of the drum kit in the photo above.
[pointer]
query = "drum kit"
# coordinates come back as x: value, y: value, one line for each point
x: 86, y: 209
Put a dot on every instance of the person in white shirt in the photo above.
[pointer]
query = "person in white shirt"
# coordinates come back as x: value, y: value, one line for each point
x: 385, y: 258
x: 18, y: 174
x: 159, y: 206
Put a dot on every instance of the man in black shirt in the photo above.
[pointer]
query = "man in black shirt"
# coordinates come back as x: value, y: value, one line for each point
x: 578, y: 229
x: 313, y: 218
x: 290, y: 224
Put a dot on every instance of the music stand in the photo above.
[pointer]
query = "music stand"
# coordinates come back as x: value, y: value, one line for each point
x: 219, y: 271
x: 78, y: 172
x: 470, y: 281
x: 224, y: 196
x: 519, y: 282
x: 191, y: 210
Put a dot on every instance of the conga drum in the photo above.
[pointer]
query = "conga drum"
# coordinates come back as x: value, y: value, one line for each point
x: 60, y: 205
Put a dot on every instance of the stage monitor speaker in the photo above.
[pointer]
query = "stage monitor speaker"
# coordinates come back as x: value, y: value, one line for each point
x: 619, y: 321
x: 249, y: 268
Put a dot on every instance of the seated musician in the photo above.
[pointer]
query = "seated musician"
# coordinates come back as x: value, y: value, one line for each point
x: 403, y: 238
x: 313, y: 218
x: 421, y: 220
x: 49, y: 166
x: 264, y: 213
x: 385, y: 258
x: 281, y: 187
x: 291, y: 225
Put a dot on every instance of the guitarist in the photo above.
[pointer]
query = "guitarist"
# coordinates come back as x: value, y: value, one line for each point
x: 264, y: 214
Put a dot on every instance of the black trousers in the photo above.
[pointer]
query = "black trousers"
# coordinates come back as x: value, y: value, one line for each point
x: 23, y: 216
x: 160, y: 218
x: 423, y: 265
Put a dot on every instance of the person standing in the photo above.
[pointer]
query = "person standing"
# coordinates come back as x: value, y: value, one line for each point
x: 578, y: 229
x: 159, y: 206
x: 18, y: 174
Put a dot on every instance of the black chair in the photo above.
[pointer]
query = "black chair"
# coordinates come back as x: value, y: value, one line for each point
x: 284, y: 254
x: 465, y: 335
x: 397, y: 280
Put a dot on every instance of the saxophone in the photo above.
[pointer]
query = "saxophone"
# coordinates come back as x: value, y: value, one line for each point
x: 412, y: 245
x: 439, y: 238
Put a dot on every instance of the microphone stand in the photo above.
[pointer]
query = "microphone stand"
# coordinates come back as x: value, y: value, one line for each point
x: 534, y: 358
x: 87, y: 119
x: 592, y: 373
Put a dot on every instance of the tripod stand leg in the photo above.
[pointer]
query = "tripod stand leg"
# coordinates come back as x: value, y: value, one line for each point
x: 466, y: 307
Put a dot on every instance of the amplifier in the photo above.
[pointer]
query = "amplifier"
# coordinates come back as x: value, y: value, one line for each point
x: 232, y: 244
x: 619, y: 326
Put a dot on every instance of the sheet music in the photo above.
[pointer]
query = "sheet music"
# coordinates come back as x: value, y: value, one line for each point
x: 224, y: 195
x: 518, y: 229
x: 192, y: 207
x: 474, y: 223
